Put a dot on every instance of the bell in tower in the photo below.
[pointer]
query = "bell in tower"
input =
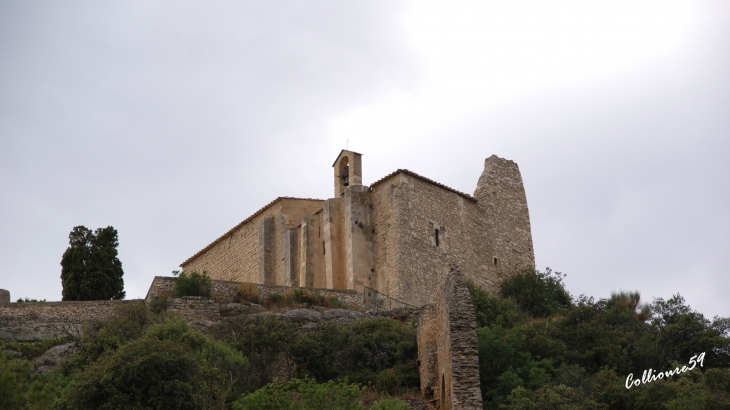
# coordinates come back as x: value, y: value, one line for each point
x: 348, y: 171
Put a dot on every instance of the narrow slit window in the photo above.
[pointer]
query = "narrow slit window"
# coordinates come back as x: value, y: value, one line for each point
x: 324, y: 250
x: 437, y: 237
x: 494, y: 260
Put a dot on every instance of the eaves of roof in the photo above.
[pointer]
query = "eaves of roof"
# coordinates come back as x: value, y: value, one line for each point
x: 422, y: 178
x: 255, y: 214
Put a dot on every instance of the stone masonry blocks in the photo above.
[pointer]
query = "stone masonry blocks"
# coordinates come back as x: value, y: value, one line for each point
x: 291, y: 257
x: 392, y: 236
x: 447, y: 347
x: 266, y: 245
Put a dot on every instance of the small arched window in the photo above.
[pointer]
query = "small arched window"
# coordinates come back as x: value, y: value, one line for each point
x: 345, y: 171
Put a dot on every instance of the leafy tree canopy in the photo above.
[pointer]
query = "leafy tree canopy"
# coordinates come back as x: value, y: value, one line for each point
x: 90, y: 269
x: 538, y: 293
x: 564, y: 353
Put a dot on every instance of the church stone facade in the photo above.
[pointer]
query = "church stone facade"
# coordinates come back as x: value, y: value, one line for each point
x: 397, y: 236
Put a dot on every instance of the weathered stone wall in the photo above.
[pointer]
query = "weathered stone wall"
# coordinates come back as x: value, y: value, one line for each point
x: 43, y: 320
x: 311, y: 252
x: 4, y: 296
x: 333, y: 245
x: 225, y: 291
x: 413, y: 260
x: 488, y: 238
x: 501, y: 192
x: 235, y: 255
x: 448, y: 347
x: 394, y: 236
x: 194, y: 308
x: 428, y: 336
x: 385, y: 238
x: 357, y: 238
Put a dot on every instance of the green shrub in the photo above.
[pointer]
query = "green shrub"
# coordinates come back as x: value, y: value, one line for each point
x: 264, y: 341
x: 390, y: 403
x: 20, y: 390
x: 126, y: 323
x: 33, y: 348
x: 538, y: 293
x: 492, y: 310
x: 145, y: 373
x: 218, y: 354
x: 14, y: 379
x: 20, y: 300
x: 193, y: 284
x: 274, y: 299
x: 44, y: 390
x: 382, y: 351
x: 309, y: 299
x: 158, y: 304
x: 304, y: 394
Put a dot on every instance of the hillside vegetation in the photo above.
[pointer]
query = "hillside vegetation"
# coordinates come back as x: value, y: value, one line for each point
x: 539, y: 348
x: 142, y: 360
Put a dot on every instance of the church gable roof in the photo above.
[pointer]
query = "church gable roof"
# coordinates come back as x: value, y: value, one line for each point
x: 422, y: 178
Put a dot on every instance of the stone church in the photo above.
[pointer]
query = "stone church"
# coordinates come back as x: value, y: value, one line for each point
x: 397, y: 236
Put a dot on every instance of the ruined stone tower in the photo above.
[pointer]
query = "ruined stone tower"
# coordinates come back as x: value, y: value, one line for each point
x: 395, y: 236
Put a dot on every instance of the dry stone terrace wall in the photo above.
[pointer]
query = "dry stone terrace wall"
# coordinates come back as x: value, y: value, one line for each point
x: 43, y: 320
x: 194, y: 308
x: 448, y: 347
x: 225, y: 291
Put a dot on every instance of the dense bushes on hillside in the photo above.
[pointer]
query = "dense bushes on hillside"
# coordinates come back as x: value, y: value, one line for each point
x: 538, y: 349
x: 139, y: 359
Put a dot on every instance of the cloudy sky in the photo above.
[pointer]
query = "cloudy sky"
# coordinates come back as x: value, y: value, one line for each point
x: 174, y: 121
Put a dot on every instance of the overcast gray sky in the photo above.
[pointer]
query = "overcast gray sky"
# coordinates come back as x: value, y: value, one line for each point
x: 174, y: 121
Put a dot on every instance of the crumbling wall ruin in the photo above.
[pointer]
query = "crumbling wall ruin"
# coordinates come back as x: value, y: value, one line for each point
x: 4, y: 296
x: 447, y: 347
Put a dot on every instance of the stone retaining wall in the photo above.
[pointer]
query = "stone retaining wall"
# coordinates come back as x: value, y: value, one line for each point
x: 225, y: 292
x: 43, y: 320
x: 194, y: 308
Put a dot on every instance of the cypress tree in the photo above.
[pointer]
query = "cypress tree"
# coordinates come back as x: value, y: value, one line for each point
x: 90, y: 269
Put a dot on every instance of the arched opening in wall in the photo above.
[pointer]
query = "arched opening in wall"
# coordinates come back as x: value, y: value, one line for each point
x: 345, y: 171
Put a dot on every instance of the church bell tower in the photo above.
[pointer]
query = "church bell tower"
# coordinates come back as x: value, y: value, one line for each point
x: 348, y: 171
